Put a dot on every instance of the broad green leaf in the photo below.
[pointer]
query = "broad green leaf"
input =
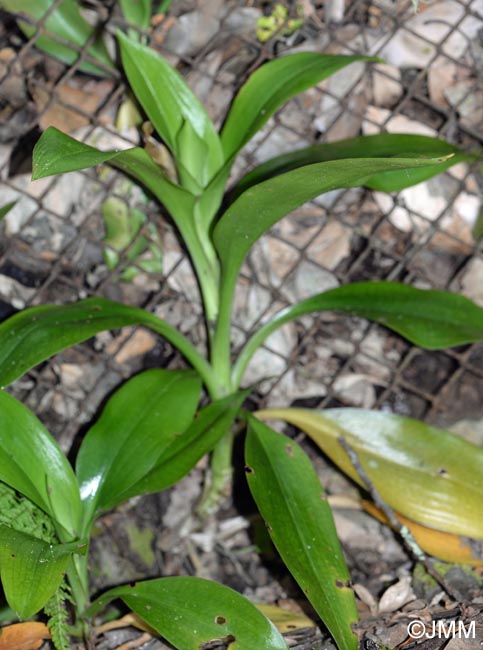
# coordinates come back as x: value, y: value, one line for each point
x: 32, y: 463
x: 427, y: 474
x: 294, y: 506
x: 138, y: 423
x: 5, y: 209
x: 57, y: 153
x: 383, y: 145
x: 260, y: 207
x: 173, y: 109
x: 65, y: 22
x: 31, y: 569
x: 269, y: 87
x: 182, y: 454
x: 430, y: 319
x: 35, y: 334
x: 137, y: 12
x: 189, y: 612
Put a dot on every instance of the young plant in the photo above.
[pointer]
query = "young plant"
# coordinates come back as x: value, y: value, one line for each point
x: 48, y: 511
x: 218, y: 230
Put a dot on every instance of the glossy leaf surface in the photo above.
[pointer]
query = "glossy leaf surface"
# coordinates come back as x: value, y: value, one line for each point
x: 429, y: 475
x: 182, y: 454
x: 67, y: 23
x: 382, y: 145
x: 38, y: 333
x: 173, y: 109
x: 260, y: 207
x: 137, y: 13
x: 294, y: 506
x: 32, y: 463
x: 57, y: 153
x: 141, y: 420
x: 30, y: 569
x: 430, y: 319
x: 189, y: 612
x: 269, y: 87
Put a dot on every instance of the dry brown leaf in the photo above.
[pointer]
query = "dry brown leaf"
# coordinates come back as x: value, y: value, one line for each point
x: 23, y: 636
x: 130, y: 619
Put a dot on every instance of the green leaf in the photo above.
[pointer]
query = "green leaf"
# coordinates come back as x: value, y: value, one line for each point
x: 139, y: 422
x: 35, y: 334
x: 294, y: 506
x: 269, y: 87
x: 179, y: 457
x: 65, y: 22
x: 57, y: 153
x: 172, y: 108
x: 31, y: 570
x: 137, y: 12
x: 189, y: 612
x: 430, y: 319
x: 260, y: 207
x: 32, y: 463
x: 427, y: 474
x: 5, y: 209
x: 382, y: 145
x: 122, y: 223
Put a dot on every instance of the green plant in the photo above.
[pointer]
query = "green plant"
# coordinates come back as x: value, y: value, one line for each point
x: 278, y: 22
x: 217, y: 240
x: 48, y: 510
x: 65, y: 30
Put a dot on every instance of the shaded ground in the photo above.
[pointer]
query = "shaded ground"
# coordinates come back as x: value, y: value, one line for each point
x: 52, y: 250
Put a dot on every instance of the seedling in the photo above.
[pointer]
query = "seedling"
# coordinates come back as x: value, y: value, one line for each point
x: 218, y: 230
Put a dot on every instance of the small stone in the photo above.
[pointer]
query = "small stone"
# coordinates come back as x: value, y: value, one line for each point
x: 472, y: 281
x: 191, y: 32
x: 307, y: 280
x: 386, y: 85
x: 331, y: 246
x: 355, y: 389
x: 139, y: 344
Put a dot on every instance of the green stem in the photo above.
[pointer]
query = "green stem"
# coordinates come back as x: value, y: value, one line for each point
x: 221, y: 467
x: 77, y: 574
x: 221, y: 459
x: 220, y: 353
x: 187, y: 349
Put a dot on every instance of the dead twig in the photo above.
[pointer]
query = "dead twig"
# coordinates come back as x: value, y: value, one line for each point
x: 406, y: 535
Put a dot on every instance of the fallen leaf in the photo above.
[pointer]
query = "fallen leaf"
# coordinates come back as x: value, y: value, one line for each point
x: 285, y: 620
x: 397, y: 595
x: 445, y: 546
x: 23, y: 636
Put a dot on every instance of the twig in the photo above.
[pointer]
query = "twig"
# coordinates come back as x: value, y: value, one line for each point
x: 406, y: 535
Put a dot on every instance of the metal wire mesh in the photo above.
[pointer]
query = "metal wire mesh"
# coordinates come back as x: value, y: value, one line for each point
x: 51, y: 248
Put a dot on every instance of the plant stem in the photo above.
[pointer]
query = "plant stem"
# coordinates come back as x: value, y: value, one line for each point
x: 221, y: 459
x: 221, y: 475
x: 77, y: 574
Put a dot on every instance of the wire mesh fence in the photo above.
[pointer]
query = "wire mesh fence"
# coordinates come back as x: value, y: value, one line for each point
x: 53, y: 245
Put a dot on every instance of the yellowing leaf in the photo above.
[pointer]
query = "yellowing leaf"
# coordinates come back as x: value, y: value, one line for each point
x: 429, y: 475
x: 445, y: 546
x: 285, y: 620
